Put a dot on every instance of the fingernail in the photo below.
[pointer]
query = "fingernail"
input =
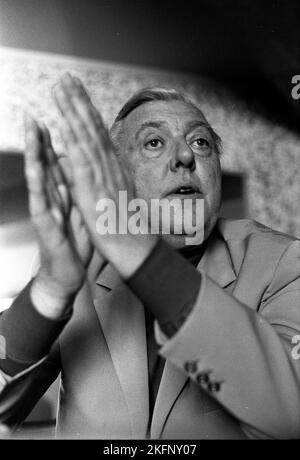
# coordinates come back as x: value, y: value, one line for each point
x: 78, y: 81
x: 67, y: 78
x: 80, y: 87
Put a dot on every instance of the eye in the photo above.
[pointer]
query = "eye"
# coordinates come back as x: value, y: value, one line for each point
x: 153, y: 144
x: 200, y: 142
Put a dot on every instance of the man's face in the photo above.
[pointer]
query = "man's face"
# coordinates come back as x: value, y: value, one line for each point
x: 171, y: 154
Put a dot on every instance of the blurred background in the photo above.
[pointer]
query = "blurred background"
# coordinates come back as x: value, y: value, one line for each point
x: 235, y: 58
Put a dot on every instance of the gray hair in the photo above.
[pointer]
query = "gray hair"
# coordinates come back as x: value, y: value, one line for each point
x: 150, y: 95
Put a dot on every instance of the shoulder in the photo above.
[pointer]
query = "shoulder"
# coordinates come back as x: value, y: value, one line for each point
x: 267, y: 253
x: 252, y: 231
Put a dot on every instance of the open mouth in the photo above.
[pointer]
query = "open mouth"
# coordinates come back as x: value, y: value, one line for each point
x: 186, y: 191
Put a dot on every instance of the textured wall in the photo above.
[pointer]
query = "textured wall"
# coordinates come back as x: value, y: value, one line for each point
x: 268, y: 154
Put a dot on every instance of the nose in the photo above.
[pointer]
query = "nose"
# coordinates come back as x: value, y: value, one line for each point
x: 183, y: 157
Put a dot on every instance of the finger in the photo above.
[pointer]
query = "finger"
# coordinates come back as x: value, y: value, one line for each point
x: 92, y: 120
x: 58, y: 197
x: 57, y: 213
x: 67, y: 109
x: 97, y: 150
x: 91, y: 114
x: 41, y: 201
x: 66, y: 167
x: 51, y: 156
x: 73, y: 133
x: 83, y: 175
x: 55, y: 183
x: 75, y: 129
x: 55, y: 173
x: 94, y: 138
x: 80, y: 235
x: 34, y: 170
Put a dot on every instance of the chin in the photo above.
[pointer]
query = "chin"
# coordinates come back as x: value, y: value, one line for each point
x: 176, y: 241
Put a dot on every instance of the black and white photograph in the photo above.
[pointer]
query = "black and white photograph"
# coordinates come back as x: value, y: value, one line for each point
x: 149, y: 223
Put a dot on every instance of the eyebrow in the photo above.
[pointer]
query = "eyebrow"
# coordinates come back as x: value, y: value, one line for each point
x: 197, y: 124
x: 158, y: 124
x: 150, y: 124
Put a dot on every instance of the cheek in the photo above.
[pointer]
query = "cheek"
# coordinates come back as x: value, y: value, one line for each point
x: 215, y: 178
x: 147, y: 174
x: 210, y: 176
x: 147, y: 178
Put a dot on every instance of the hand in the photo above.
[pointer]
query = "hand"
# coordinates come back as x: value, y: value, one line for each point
x: 98, y: 174
x: 64, y: 244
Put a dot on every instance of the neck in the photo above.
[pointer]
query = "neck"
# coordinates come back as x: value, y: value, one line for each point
x: 193, y: 253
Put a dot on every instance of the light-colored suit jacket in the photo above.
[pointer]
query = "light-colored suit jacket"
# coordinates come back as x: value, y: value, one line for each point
x: 231, y: 371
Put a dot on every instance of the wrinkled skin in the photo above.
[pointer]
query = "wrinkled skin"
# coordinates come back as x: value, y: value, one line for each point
x: 179, y: 150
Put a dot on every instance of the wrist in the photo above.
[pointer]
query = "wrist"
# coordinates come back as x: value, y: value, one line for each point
x: 130, y: 255
x: 50, y: 299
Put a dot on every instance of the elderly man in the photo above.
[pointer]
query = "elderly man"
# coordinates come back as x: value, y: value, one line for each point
x: 152, y: 337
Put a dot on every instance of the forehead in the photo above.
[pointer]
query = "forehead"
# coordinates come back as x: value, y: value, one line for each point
x: 174, y: 115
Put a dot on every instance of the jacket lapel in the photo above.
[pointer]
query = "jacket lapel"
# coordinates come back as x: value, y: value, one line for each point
x: 123, y: 323
x: 172, y: 383
x: 216, y: 263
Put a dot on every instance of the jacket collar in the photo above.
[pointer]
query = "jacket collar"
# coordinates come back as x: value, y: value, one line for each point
x: 216, y: 262
x: 109, y: 277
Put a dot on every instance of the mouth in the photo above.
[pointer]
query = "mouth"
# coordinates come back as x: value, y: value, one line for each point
x: 185, y: 191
